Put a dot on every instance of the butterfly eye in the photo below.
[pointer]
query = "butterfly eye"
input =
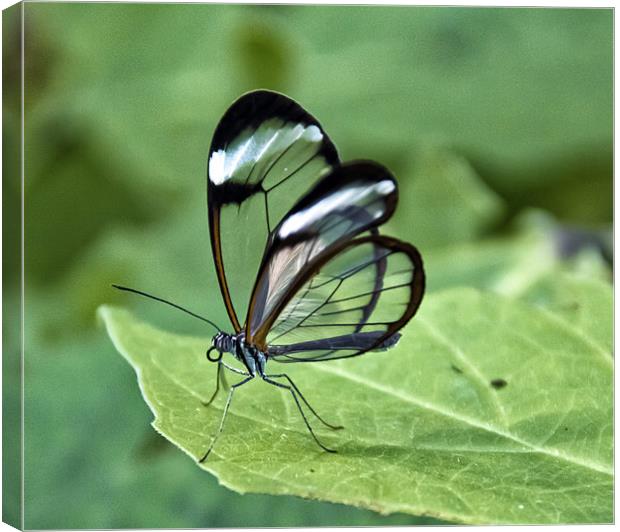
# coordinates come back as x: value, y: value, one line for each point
x: 215, y: 358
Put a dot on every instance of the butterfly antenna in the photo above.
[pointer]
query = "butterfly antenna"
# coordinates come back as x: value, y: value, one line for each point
x: 140, y: 293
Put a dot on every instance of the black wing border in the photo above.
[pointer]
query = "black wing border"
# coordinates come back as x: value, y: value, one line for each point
x: 417, y: 285
x: 344, y: 174
x: 249, y: 110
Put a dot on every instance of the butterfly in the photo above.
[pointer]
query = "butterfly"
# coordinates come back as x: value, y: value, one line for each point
x: 304, y: 273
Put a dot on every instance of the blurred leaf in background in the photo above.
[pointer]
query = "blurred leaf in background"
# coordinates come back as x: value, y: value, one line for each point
x: 480, y: 113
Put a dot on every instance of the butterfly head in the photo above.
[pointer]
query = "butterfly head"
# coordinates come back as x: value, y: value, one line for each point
x: 216, y: 346
x: 221, y: 343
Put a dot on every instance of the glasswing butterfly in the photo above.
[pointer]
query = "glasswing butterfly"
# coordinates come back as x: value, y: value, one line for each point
x: 313, y: 278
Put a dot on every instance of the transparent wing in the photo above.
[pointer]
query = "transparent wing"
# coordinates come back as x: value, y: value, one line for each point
x: 363, y: 294
x: 353, y: 198
x: 266, y: 152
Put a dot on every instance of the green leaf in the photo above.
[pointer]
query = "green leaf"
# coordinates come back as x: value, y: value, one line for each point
x: 510, y: 265
x: 443, y: 201
x: 426, y: 430
x: 584, y: 303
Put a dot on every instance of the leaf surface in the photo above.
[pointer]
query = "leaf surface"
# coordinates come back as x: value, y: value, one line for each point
x: 528, y: 261
x: 586, y: 304
x: 489, y: 410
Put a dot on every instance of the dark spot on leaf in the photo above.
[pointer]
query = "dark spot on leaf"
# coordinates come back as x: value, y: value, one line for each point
x: 456, y: 369
x: 311, y: 470
x: 498, y: 384
x: 565, y: 428
x: 572, y: 306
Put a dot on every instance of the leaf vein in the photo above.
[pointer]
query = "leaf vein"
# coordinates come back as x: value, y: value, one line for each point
x: 589, y: 464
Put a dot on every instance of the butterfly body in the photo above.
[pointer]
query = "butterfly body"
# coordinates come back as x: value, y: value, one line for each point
x: 250, y: 356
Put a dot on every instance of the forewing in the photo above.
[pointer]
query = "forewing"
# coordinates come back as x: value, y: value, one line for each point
x: 353, y: 198
x: 266, y: 152
x: 352, y: 305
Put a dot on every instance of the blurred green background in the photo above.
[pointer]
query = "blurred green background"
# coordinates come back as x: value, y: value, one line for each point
x: 482, y: 114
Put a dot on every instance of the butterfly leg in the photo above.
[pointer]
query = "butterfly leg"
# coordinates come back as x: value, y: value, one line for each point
x: 228, y: 401
x: 218, y: 378
x: 290, y: 389
x: 221, y: 376
x: 285, y: 376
